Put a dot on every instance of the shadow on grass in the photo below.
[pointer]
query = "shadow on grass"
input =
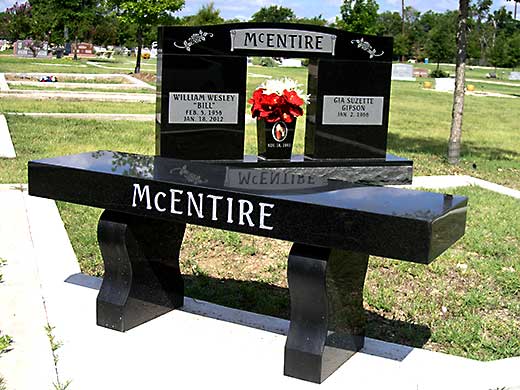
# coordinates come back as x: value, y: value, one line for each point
x: 266, y: 299
x: 427, y: 145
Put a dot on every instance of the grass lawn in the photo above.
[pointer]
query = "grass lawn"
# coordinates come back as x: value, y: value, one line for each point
x: 465, y: 303
x: 55, y: 105
x: 68, y: 65
x: 473, y: 72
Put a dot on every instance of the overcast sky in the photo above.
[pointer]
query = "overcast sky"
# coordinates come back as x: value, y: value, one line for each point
x: 243, y: 9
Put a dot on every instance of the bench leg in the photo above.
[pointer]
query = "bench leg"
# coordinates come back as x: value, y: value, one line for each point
x: 327, y: 316
x: 142, y: 276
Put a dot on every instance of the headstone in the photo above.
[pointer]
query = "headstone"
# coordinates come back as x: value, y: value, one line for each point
x: 420, y: 72
x: 202, y: 74
x: 30, y: 48
x: 514, y: 76
x: 291, y: 62
x: 402, y: 72
x: 85, y: 49
x: 445, y: 84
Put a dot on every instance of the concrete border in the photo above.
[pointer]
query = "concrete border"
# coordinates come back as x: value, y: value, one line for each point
x: 440, y: 182
x: 66, y: 85
x: 6, y: 144
x: 4, y: 87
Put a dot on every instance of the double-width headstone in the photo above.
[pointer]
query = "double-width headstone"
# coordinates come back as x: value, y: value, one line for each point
x: 202, y: 76
x: 402, y: 72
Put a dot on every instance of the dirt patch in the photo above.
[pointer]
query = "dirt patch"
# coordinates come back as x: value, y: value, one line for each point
x: 145, y: 76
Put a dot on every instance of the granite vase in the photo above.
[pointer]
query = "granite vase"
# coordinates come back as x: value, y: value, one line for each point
x: 275, y: 139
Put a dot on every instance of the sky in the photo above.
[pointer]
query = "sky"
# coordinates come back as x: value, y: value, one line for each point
x: 243, y: 9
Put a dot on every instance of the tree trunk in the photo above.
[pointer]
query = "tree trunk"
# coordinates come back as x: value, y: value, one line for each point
x: 402, y: 25
x: 454, y: 144
x: 75, y: 47
x: 139, y: 48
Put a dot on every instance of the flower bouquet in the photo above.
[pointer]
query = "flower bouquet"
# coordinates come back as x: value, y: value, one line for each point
x: 276, y: 104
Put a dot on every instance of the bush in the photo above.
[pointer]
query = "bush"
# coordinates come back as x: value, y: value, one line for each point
x: 264, y: 61
x: 439, y: 74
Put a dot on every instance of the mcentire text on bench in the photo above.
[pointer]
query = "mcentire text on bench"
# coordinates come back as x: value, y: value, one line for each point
x: 181, y: 202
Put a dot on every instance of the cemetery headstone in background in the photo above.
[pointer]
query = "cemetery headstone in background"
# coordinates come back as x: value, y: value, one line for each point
x: 514, y: 76
x: 85, y: 49
x: 420, y: 72
x: 30, y: 48
x: 402, y: 72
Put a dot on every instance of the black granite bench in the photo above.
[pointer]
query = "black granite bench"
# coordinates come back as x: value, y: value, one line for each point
x: 334, y: 227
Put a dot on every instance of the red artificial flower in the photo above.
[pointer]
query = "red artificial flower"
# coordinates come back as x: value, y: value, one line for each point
x: 273, y: 107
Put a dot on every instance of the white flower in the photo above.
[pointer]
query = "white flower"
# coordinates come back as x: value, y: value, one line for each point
x: 277, y: 86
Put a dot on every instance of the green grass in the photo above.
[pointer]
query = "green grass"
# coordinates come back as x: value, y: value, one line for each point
x: 68, y: 65
x: 419, y: 128
x: 5, y: 343
x: 35, y: 138
x: 55, y: 105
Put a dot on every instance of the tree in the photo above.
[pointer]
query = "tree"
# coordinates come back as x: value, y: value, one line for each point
x: 207, y: 14
x: 454, y: 144
x: 315, y: 20
x: 440, y: 45
x: 274, y: 14
x: 144, y: 14
x: 17, y: 21
x: 359, y: 16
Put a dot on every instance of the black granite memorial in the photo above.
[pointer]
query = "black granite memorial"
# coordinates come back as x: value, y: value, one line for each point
x: 334, y: 225
x: 202, y: 96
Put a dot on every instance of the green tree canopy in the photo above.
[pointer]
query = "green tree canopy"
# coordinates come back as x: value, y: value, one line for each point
x: 145, y: 14
x: 274, y: 14
x: 359, y: 16
x: 206, y: 15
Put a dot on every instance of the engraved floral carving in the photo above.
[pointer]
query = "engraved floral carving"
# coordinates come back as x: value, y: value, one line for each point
x: 193, y: 40
x: 366, y: 46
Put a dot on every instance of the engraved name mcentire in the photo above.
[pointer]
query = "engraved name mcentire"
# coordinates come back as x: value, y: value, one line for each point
x: 204, y: 206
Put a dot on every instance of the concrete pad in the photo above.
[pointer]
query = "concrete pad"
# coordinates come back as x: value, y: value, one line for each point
x: 3, y: 83
x: 65, y: 85
x: 29, y: 365
x: 6, y: 144
x: 443, y: 182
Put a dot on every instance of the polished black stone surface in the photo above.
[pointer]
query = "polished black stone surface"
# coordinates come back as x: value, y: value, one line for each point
x: 352, y: 79
x: 327, y: 316
x: 402, y: 224
x: 142, y: 278
x: 194, y: 63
